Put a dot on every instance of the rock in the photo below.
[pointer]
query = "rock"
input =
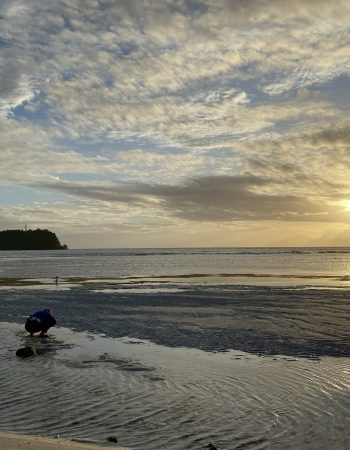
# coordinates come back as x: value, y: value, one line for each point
x: 25, y: 352
x: 112, y: 439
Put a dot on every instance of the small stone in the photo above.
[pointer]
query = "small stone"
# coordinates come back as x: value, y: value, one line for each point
x: 112, y: 439
x: 25, y: 352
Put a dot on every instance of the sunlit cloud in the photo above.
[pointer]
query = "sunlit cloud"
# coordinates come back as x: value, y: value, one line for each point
x: 196, y: 112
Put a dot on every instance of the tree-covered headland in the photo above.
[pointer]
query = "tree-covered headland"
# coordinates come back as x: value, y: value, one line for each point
x: 29, y: 240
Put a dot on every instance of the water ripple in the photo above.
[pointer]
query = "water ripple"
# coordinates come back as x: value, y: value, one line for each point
x: 176, y: 399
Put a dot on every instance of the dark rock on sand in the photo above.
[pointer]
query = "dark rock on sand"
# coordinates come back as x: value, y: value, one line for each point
x: 112, y: 439
x: 25, y: 352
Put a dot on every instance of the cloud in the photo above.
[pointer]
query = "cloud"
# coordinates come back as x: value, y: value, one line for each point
x: 15, y: 90
x: 210, y: 198
x: 222, y: 198
x: 202, y: 111
x: 27, y: 154
x: 139, y: 69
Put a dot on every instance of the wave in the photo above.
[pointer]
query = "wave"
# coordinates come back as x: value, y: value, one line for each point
x: 232, y: 251
x: 154, y: 281
x: 219, y: 251
x: 234, y: 275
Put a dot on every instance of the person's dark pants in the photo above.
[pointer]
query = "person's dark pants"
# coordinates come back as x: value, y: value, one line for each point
x: 33, y: 326
x: 44, y: 328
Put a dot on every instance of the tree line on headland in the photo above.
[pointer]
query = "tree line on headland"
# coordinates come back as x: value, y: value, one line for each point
x: 29, y: 240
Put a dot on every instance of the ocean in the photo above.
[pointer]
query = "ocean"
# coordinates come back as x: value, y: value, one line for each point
x: 240, y: 348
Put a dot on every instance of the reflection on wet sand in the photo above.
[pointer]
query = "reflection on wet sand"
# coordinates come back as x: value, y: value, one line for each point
x: 89, y: 387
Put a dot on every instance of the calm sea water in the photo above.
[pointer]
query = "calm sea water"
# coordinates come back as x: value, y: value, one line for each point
x: 179, y: 348
x: 322, y: 266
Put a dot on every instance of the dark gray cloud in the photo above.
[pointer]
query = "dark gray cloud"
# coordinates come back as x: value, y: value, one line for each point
x: 209, y: 198
x: 120, y: 193
x: 222, y: 198
x: 333, y: 135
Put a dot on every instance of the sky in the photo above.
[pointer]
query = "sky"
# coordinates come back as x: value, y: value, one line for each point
x: 176, y: 123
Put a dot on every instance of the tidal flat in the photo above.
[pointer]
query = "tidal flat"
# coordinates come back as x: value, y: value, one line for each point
x: 232, y: 366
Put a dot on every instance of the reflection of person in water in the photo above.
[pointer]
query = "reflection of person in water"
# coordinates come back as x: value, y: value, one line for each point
x: 40, y: 321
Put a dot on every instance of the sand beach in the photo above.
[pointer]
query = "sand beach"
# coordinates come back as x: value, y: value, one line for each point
x: 12, y: 441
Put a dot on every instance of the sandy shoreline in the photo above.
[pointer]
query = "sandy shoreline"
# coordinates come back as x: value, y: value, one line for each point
x: 12, y: 441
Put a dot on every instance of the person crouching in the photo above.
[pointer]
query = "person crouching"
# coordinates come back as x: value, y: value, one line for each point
x: 40, y: 321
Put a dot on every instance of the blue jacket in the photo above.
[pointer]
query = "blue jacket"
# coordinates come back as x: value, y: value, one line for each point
x: 45, y: 317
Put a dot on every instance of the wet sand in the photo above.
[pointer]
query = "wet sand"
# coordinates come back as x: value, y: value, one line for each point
x: 181, y: 367
x: 151, y: 396
x: 11, y: 441
x: 261, y: 320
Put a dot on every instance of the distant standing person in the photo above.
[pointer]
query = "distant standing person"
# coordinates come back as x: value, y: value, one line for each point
x: 56, y: 280
x: 40, y: 321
